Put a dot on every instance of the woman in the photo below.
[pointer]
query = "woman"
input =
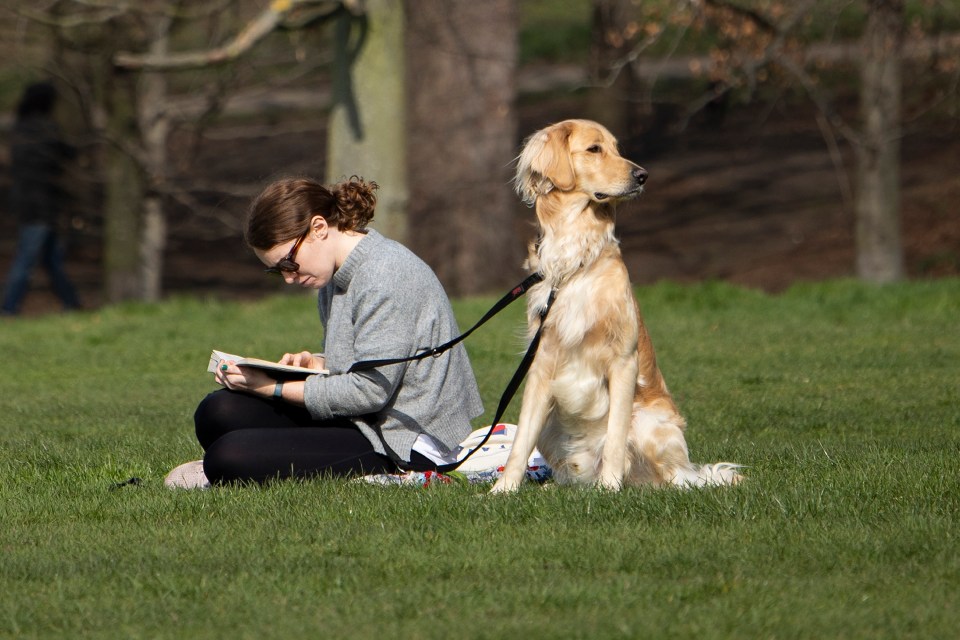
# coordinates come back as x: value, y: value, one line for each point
x: 376, y: 300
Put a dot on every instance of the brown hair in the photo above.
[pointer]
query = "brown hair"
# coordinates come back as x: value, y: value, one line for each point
x: 284, y: 208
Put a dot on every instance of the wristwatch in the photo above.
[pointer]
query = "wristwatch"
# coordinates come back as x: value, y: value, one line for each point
x: 278, y: 390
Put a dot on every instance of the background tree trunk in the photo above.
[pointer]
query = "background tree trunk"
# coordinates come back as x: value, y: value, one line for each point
x: 878, y: 238
x: 615, y: 89
x: 461, y: 78
x: 367, y: 135
x: 154, y: 125
x: 123, y: 192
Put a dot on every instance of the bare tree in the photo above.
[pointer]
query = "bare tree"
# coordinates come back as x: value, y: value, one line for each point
x: 154, y: 125
x: 116, y: 55
x: 879, y: 247
x: 766, y: 41
x: 879, y: 250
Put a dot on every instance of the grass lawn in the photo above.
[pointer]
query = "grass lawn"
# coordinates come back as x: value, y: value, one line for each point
x: 842, y: 398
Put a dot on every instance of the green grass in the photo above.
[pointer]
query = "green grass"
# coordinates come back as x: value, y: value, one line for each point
x: 841, y: 398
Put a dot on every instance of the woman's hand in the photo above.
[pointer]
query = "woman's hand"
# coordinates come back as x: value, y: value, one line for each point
x: 247, y: 379
x: 304, y: 359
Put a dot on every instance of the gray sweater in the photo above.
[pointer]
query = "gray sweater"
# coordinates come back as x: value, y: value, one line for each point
x: 385, y: 302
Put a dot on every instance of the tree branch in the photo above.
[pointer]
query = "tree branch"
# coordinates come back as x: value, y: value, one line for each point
x: 275, y: 17
x: 102, y: 15
x: 774, y: 54
x: 744, y: 12
x: 634, y: 54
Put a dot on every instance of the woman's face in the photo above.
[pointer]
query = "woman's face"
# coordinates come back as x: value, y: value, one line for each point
x: 316, y: 256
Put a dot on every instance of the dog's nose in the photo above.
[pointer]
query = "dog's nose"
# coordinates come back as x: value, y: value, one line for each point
x: 640, y: 175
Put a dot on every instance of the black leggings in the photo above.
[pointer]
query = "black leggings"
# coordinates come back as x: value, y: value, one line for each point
x: 246, y: 438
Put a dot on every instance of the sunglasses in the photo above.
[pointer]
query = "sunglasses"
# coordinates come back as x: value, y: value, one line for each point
x: 287, y: 264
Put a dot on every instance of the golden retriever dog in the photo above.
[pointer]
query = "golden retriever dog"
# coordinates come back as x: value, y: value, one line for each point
x: 595, y: 403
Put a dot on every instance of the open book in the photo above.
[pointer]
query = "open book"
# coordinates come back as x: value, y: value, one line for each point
x: 276, y: 370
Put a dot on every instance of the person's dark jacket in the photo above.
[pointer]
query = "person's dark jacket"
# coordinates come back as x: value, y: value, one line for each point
x: 37, y: 157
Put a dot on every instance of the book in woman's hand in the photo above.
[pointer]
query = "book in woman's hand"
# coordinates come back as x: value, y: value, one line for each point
x: 275, y: 369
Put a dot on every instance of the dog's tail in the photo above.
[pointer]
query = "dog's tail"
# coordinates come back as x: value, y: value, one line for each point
x: 708, y: 475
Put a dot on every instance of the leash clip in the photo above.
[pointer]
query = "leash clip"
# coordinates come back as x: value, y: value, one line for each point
x: 550, y: 300
x: 432, y: 352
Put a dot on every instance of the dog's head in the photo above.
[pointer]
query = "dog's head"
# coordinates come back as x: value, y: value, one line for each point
x: 576, y: 156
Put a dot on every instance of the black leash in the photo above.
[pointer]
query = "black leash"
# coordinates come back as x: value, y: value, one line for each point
x: 508, y: 393
x: 511, y: 389
x: 516, y: 292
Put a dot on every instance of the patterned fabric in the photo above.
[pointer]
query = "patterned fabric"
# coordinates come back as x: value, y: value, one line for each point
x: 485, y: 466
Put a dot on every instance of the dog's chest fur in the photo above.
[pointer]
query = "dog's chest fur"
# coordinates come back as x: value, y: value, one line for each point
x: 579, y: 258
x: 591, y: 324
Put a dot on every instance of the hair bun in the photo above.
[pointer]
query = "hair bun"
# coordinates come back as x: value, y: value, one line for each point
x: 356, y: 202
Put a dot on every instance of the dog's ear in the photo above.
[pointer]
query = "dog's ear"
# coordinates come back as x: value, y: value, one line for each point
x: 544, y: 164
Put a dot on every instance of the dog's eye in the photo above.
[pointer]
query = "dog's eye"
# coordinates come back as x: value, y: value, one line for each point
x: 594, y: 148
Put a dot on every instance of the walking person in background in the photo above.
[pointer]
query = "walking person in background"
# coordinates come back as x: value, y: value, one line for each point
x: 37, y: 157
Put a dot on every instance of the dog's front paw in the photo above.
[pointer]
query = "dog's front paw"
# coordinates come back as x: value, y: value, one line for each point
x: 502, y: 486
x: 610, y: 483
